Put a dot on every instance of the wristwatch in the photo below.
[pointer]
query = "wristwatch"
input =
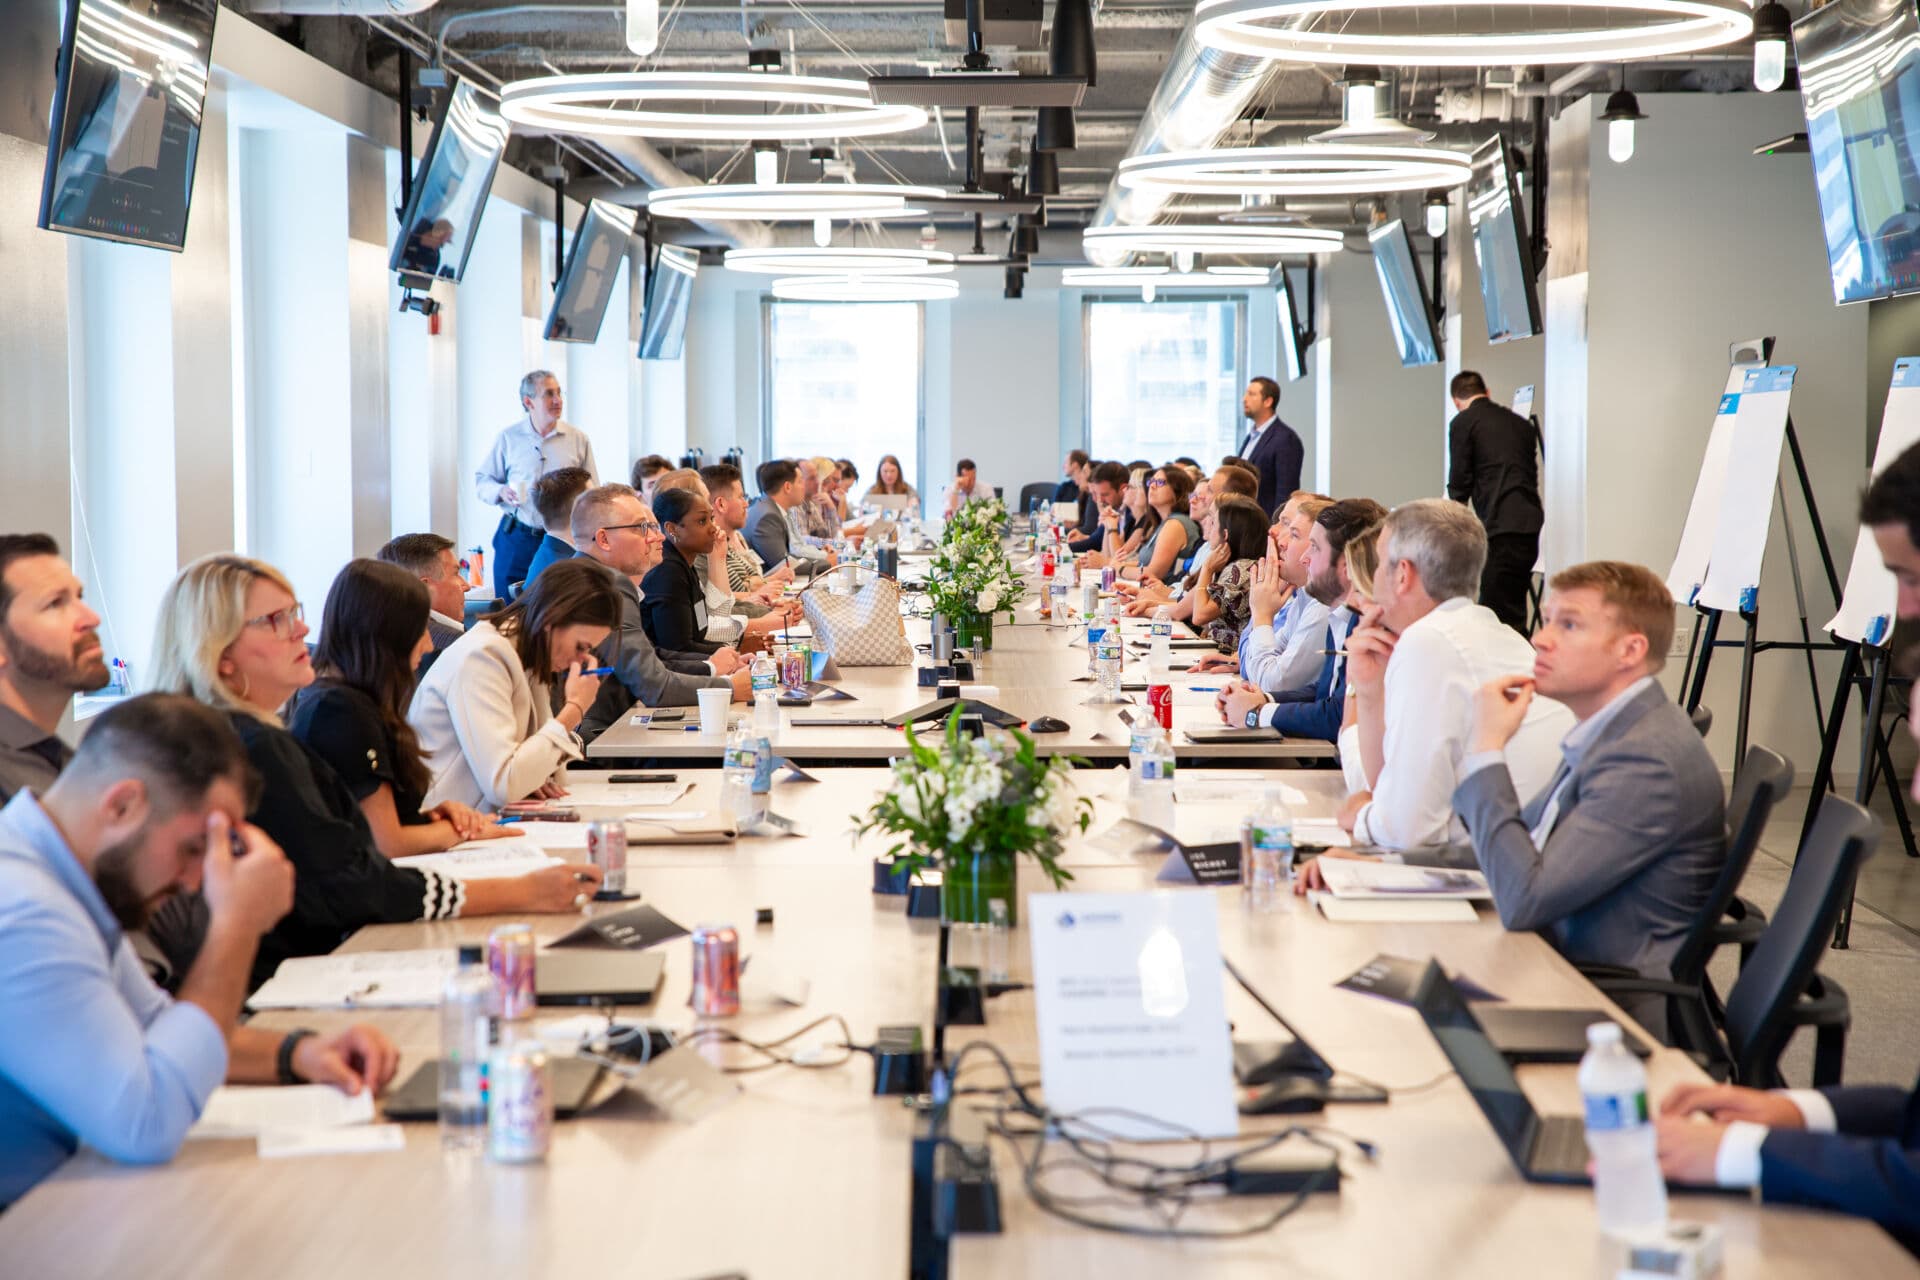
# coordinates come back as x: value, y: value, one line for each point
x: 1253, y: 718
x: 283, y: 1061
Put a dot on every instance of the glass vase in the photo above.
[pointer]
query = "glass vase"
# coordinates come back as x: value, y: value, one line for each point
x: 969, y: 627
x: 970, y: 883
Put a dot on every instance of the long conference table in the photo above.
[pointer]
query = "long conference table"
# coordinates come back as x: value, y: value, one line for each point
x: 806, y: 1174
x: 1034, y: 669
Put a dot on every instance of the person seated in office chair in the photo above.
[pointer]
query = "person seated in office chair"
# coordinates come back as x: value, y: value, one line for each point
x: 49, y: 651
x: 614, y: 529
x: 1852, y: 1148
x: 770, y: 526
x: 151, y: 807
x: 731, y: 615
x: 1413, y: 716
x: 673, y: 603
x: 430, y: 558
x: 553, y: 497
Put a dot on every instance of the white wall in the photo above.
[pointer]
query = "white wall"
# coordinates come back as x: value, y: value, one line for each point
x: 33, y: 350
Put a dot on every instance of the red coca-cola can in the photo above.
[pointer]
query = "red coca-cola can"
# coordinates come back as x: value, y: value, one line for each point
x: 1160, y: 702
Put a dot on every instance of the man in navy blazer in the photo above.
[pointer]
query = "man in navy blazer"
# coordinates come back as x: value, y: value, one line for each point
x: 1315, y: 712
x: 1855, y: 1148
x: 1270, y: 447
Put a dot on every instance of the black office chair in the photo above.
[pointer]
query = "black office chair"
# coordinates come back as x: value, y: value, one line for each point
x: 1702, y: 718
x: 1693, y: 1020
x: 1780, y: 991
x: 1038, y: 489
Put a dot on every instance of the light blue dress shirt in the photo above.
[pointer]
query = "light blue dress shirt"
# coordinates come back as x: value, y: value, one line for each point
x: 90, y: 1050
x: 520, y: 456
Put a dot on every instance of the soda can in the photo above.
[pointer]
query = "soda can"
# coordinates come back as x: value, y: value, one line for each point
x: 794, y: 666
x: 519, y: 1103
x: 1089, y: 598
x: 1160, y: 701
x: 607, y: 850
x: 1108, y: 576
x: 1057, y: 595
x: 716, y: 971
x: 510, y: 960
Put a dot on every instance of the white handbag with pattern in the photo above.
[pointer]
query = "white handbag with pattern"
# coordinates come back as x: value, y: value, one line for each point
x: 862, y: 629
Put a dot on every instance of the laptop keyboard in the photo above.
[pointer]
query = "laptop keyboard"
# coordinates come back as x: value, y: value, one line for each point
x: 1561, y: 1146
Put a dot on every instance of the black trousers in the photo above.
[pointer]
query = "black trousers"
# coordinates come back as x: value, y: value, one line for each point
x: 1509, y: 572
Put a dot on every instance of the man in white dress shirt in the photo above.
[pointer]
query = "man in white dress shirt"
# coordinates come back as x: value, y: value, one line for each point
x: 522, y: 453
x: 1416, y: 710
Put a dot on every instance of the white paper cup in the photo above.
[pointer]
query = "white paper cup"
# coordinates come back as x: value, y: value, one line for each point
x: 713, y: 711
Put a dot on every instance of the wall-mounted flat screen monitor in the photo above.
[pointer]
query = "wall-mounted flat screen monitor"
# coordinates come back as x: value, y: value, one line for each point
x: 451, y: 185
x: 663, y: 326
x: 1501, y: 247
x: 1408, y: 309
x: 130, y: 84
x: 1293, y: 360
x: 1859, y: 66
x: 593, y: 265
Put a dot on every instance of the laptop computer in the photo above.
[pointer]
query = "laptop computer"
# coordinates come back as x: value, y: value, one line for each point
x: 1544, y: 1035
x: 1543, y: 1148
x: 593, y: 976
x: 1264, y: 1062
x: 419, y: 1097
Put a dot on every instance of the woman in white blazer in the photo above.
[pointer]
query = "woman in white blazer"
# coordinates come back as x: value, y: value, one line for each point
x: 484, y: 710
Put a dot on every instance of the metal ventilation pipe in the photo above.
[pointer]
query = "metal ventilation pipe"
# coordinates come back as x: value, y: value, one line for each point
x: 1200, y: 95
x: 342, y: 8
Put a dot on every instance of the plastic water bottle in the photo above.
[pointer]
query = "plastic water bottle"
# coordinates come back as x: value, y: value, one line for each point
x: 736, y: 780
x: 1266, y: 851
x: 1628, y: 1192
x: 766, y: 709
x: 1150, y: 785
x: 1097, y: 624
x: 765, y: 675
x: 762, y: 771
x: 469, y: 1010
x: 1160, y: 656
x: 1106, y: 653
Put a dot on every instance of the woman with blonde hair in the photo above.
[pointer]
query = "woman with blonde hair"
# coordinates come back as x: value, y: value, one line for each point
x: 233, y: 634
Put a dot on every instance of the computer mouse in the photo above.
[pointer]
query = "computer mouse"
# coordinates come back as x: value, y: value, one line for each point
x: 1291, y: 1096
x: 1046, y: 724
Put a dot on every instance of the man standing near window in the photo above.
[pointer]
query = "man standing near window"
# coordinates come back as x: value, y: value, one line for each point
x: 1271, y: 449
x: 521, y: 454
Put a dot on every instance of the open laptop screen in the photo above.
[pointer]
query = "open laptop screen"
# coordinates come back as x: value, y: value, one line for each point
x: 1478, y: 1060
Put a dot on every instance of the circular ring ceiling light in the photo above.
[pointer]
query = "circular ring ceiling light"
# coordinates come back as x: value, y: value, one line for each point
x: 622, y: 104
x: 1274, y: 241
x: 1476, y: 33
x: 789, y: 201
x: 1301, y: 169
x: 1161, y: 277
x: 865, y: 288
x: 840, y: 261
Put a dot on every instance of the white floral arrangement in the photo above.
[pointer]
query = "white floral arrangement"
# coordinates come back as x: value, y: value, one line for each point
x: 977, y: 515
x: 972, y: 574
x: 993, y: 795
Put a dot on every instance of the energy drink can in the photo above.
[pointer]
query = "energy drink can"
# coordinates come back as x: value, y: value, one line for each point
x: 510, y: 959
x: 519, y: 1103
x: 716, y: 970
x: 607, y: 850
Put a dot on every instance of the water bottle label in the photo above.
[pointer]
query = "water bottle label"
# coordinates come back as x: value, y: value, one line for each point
x: 1138, y: 742
x: 765, y: 682
x: 1610, y: 1111
x: 1161, y: 629
x: 740, y: 758
x: 762, y: 767
x: 1278, y: 840
x: 1152, y: 770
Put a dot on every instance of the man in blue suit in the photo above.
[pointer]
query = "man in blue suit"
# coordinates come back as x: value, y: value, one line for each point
x: 1855, y: 1148
x: 1271, y: 448
x: 1315, y: 712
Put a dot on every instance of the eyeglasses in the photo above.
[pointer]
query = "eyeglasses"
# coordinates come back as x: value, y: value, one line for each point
x: 281, y: 621
x: 648, y: 527
x: 1156, y: 483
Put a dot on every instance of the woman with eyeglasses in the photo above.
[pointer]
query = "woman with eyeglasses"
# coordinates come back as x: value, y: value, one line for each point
x: 354, y: 715
x: 1168, y: 534
x: 232, y: 634
x: 484, y: 709
x: 1221, y: 608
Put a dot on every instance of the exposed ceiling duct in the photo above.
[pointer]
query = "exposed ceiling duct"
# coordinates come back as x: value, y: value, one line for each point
x: 1199, y: 97
x: 341, y: 8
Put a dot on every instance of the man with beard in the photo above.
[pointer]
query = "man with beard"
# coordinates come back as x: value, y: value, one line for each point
x: 91, y: 1051
x: 49, y: 651
x: 1314, y: 712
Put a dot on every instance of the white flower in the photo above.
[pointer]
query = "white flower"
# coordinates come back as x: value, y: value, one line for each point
x: 989, y: 600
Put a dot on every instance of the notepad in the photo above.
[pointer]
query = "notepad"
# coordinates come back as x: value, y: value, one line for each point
x: 359, y: 1140
x: 358, y: 980
x: 246, y: 1111
x: 1394, y: 910
x: 1350, y: 879
x: 1328, y: 835
x: 1200, y: 792
x: 484, y: 859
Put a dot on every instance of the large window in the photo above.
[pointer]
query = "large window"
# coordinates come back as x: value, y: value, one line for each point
x: 1164, y: 378
x: 843, y: 380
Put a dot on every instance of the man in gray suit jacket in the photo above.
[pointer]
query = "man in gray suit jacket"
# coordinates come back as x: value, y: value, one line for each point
x: 612, y: 525
x: 1614, y: 860
x: 768, y: 532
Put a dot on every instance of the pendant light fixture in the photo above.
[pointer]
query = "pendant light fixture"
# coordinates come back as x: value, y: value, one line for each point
x: 1070, y: 52
x: 750, y: 105
x: 643, y: 26
x: 1436, y: 209
x: 1772, y: 25
x: 1621, y: 111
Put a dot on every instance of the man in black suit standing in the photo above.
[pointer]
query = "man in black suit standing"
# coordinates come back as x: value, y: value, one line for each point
x: 1490, y: 452
x: 1271, y: 448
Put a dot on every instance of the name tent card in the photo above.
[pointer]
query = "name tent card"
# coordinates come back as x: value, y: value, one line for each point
x: 1129, y: 994
x: 634, y: 929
